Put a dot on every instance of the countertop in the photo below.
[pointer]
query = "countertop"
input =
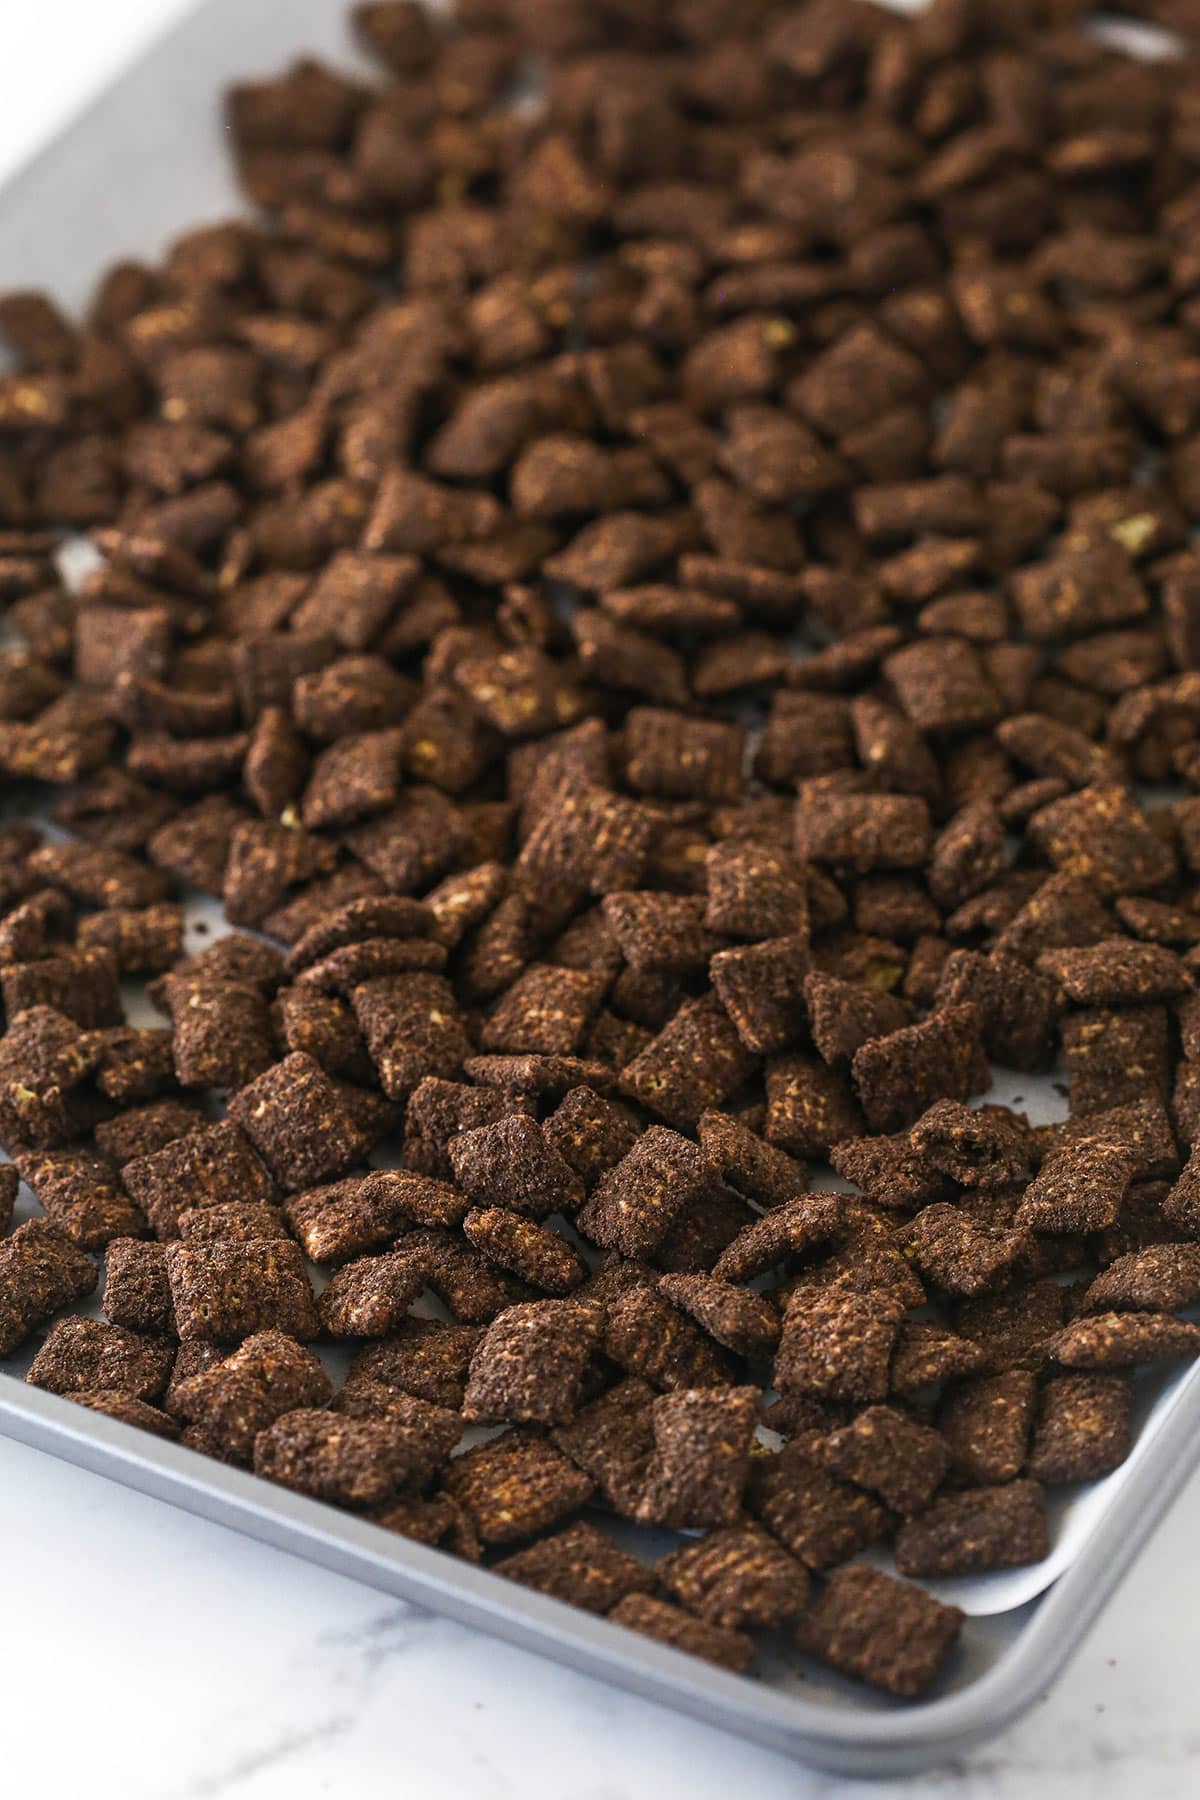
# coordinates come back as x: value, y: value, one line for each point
x: 151, y: 1656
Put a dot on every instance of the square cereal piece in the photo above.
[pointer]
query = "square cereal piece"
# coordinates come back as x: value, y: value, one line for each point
x: 675, y: 757
x: 754, y: 890
x: 1159, y: 1278
x: 736, y: 1576
x: 748, y: 1163
x: 534, y: 1253
x: 611, y: 1439
x: 413, y: 1029
x: 137, y: 1293
x: 976, y: 1530
x: 529, y: 1366
x: 511, y: 1164
x: 227, y: 1291
x: 881, y: 1631
x: 1142, y: 1129
x: 680, y: 1630
x: 899, y: 1076
x: 1017, y: 1006
x: 538, y: 1076
x: 84, y: 1355
x: 83, y: 1192
x: 797, y: 1226
x: 819, y: 1520
x: 222, y: 1032
x: 544, y: 1013
x: 1114, y: 1056
x: 591, y: 1133
x: 737, y: 1318
x: 889, y: 1454
x: 44, y: 1058
x: 299, y: 1121
x: 41, y: 1271
x: 696, y: 1061
x: 81, y: 984
x: 1015, y: 1326
x: 859, y: 833
x: 1121, y: 1340
x: 959, y: 1256
x: 1084, y: 1428
x: 635, y: 1204
x: 348, y: 1462
x: 943, y: 686
x: 701, y: 1234
x: 206, y: 1167
x: 370, y: 1298
x: 927, y: 1354
x: 837, y: 1345
x: 432, y: 1431
x: 427, y: 1358
x: 244, y: 1220
x: 439, y: 1522
x: 701, y: 1458
x: 660, y: 933
x: 515, y: 1486
x: 135, y: 1065
x: 128, y: 1411
x: 439, y: 1110
x: 1117, y: 971
x: 1100, y: 835
x: 581, y: 1566
x: 977, y: 1147
x: 648, y: 1337
x: 844, y: 1015
x: 366, y: 1212
x: 1079, y: 1189
x: 986, y: 1423
x: 810, y: 1107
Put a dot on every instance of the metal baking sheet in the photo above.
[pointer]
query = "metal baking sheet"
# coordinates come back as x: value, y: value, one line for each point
x: 145, y: 162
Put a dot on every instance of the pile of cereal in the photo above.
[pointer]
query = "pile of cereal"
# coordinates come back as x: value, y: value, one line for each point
x: 656, y: 613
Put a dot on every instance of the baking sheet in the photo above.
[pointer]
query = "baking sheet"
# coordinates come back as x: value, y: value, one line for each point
x: 143, y: 163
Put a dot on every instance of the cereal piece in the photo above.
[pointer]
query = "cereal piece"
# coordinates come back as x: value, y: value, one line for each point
x: 1017, y: 1005
x: 1158, y: 1278
x: 228, y: 1291
x: 81, y: 984
x: 820, y: 1520
x: 511, y: 1162
x: 431, y: 1432
x: 1117, y: 972
x: 957, y: 1254
x: 137, y: 1293
x: 661, y: 933
x: 205, y: 1167
x: 680, y: 1631
x: 85, y: 1356
x: 83, y: 1193
x: 754, y: 890
x: 696, y: 1061
x: 581, y: 1566
x: 538, y: 1076
x: 460, y: 1277
x: 701, y: 1457
x: 900, y: 1076
x: 128, y: 1411
x: 881, y: 1631
x: 967, y: 855
x: 891, y: 1455
x: 246, y: 1221
x: 748, y: 1163
x: 983, y: 1148
x: 516, y: 1485
x: 145, y: 941
x: 299, y: 1121
x: 736, y: 1576
x: 529, y: 1365
x: 1064, y: 910
x: 810, y: 1107
x: 1015, y: 1326
x: 1084, y: 1428
x: 677, y: 758
x: 438, y: 1111
x: 649, y: 1338
x: 889, y: 1171
x: 370, y: 1297
x: 535, y: 1253
x: 844, y: 1015
x: 611, y: 1439
x: 409, y: 847
x: 590, y: 1133
x: 1119, y: 1340
x: 427, y: 1358
x: 365, y: 1212
x: 742, y: 1321
x: 837, y: 1345
x: 791, y: 1229
x: 986, y: 1423
x: 862, y: 832
x: 222, y: 1035
x: 544, y: 1013
x: 145, y: 1129
x: 412, y: 1028
x: 348, y: 1462
x: 980, y: 1529
x: 636, y: 1202
x: 1099, y: 835
x: 926, y: 1354
x: 1114, y: 1057
x: 1087, y: 587
x: 1079, y: 1189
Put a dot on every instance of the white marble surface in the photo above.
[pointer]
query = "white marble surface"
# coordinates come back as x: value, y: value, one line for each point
x: 153, y: 1657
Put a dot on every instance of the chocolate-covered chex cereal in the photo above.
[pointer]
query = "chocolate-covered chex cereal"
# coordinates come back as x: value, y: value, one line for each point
x: 881, y: 1631
x: 301, y: 1123
x: 349, y: 1462
x: 86, y: 1356
x: 891, y: 1455
x: 84, y: 1193
x: 590, y: 1132
x: 979, y: 1529
x: 736, y: 1576
x: 515, y: 1486
x: 986, y: 1424
x: 366, y: 1212
x: 427, y: 1358
x: 210, y: 1167
x: 1119, y: 1340
x: 680, y: 1630
x: 1084, y: 1428
x: 529, y: 1365
x: 899, y: 1076
x: 634, y: 1205
x: 837, y: 1345
x: 127, y: 1410
x: 41, y: 1271
x: 137, y: 1293
x: 227, y: 1291
x: 701, y: 1458
x: 370, y: 1297
x: 535, y: 1253
x: 512, y: 1163
x: 581, y: 1566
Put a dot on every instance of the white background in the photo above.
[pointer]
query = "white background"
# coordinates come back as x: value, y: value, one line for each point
x: 151, y: 1657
